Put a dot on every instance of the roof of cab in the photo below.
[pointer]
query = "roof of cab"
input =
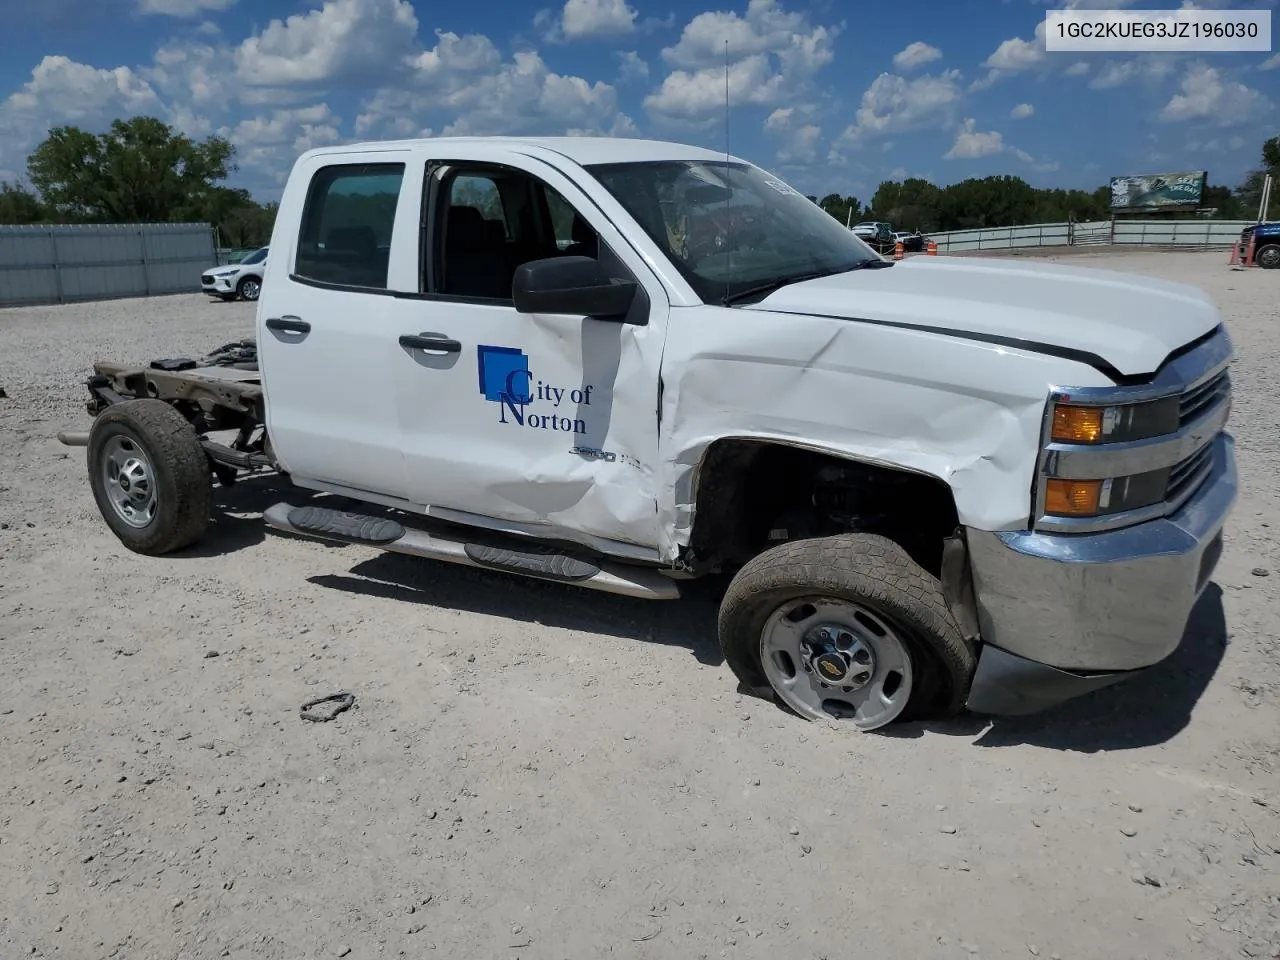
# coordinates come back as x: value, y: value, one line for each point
x: 581, y: 150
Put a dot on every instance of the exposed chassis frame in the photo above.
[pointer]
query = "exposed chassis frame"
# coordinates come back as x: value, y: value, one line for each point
x: 211, y: 398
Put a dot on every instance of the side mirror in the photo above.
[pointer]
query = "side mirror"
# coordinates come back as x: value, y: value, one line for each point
x: 571, y: 285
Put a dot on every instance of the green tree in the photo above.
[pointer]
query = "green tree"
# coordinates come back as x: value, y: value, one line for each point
x: 18, y: 205
x: 845, y: 209
x: 140, y: 170
x: 1249, y: 193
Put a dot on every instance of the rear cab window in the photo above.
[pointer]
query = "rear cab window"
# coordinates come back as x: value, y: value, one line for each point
x: 345, y: 235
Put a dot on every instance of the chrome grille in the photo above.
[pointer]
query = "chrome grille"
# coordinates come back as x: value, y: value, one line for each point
x: 1185, y: 476
x: 1201, y: 397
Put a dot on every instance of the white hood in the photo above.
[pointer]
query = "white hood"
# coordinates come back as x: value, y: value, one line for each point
x: 1131, y: 322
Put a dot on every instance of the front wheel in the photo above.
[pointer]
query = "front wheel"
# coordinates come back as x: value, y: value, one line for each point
x: 249, y: 288
x: 150, y: 476
x: 1268, y: 257
x: 847, y: 627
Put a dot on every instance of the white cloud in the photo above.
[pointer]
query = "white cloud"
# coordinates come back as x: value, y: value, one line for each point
x: 893, y: 103
x: 1022, y: 111
x: 632, y: 67
x: 209, y: 29
x: 1013, y: 56
x: 64, y: 91
x: 800, y: 138
x: 453, y: 53
x: 343, y: 40
x: 521, y: 95
x: 766, y: 28
x: 692, y: 96
x: 1116, y: 73
x: 772, y: 55
x: 583, y: 19
x: 916, y: 55
x: 1077, y: 69
x: 270, y: 142
x: 972, y: 143
x: 1271, y: 64
x: 182, y: 8
x: 1207, y: 95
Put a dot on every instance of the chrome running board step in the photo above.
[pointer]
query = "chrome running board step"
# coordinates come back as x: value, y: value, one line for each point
x: 529, y: 560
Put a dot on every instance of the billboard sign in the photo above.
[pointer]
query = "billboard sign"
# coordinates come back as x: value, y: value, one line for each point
x: 1158, y: 191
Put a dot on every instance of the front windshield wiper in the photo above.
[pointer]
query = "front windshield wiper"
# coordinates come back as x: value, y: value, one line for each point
x: 762, y: 290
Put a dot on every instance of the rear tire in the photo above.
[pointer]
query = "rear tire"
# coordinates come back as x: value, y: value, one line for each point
x: 1268, y: 257
x: 150, y: 476
x: 894, y: 603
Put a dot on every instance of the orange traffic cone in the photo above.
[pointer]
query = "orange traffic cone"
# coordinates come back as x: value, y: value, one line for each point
x: 1237, y: 259
x: 932, y: 249
x: 897, y: 250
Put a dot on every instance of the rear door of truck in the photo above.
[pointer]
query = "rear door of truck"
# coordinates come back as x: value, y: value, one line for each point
x: 327, y: 325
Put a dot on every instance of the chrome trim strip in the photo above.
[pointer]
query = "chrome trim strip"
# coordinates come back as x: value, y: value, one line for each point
x: 1100, y: 461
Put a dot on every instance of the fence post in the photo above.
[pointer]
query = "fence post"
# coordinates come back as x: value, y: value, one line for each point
x: 57, y: 264
x: 146, y: 266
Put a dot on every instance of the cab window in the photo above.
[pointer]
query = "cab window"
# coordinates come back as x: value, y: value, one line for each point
x: 493, y: 219
x: 345, y: 237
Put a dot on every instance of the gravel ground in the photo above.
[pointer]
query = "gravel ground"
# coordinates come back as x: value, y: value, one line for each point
x: 538, y: 772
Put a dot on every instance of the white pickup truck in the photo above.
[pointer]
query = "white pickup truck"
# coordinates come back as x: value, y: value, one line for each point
x: 624, y: 364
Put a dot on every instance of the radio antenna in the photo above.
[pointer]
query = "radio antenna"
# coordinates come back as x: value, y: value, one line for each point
x: 728, y: 178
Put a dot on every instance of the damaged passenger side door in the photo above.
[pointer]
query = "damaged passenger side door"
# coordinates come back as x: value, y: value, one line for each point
x: 537, y: 411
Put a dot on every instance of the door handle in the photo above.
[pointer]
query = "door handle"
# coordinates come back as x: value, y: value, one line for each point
x: 432, y: 342
x: 288, y: 324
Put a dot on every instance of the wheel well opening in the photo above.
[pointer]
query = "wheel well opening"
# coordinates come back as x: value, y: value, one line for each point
x: 752, y: 495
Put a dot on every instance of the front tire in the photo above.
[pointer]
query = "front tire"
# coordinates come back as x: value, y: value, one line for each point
x: 249, y: 288
x: 846, y: 627
x: 150, y: 476
x: 1268, y: 257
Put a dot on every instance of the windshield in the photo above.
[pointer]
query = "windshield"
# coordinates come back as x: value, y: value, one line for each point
x: 729, y: 227
x: 256, y: 257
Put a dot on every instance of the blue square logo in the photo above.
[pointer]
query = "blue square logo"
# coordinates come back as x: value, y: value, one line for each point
x: 504, y: 374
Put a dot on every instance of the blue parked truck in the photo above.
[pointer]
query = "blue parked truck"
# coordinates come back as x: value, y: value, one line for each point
x: 1266, y: 243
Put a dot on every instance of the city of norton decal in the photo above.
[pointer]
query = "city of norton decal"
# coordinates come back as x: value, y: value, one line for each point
x: 505, y: 379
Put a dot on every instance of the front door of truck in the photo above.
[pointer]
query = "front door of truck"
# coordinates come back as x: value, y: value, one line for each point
x: 542, y: 421
x: 327, y: 326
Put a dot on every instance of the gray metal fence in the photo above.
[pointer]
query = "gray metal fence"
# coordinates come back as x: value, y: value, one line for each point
x: 101, y: 261
x: 1179, y: 233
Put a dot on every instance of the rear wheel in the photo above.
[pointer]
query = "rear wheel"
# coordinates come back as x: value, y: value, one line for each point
x: 150, y: 476
x: 848, y: 628
x: 1268, y: 257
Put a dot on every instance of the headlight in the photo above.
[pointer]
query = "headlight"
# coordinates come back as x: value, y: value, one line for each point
x: 1116, y: 456
x: 1080, y: 423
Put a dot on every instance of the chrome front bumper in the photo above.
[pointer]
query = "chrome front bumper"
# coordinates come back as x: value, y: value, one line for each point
x: 1062, y: 614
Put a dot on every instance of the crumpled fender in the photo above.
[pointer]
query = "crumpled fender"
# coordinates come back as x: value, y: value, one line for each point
x: 966, y: 412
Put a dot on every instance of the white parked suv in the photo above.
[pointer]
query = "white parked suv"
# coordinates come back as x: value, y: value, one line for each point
x: 243, y: 279
x: 626, y: 365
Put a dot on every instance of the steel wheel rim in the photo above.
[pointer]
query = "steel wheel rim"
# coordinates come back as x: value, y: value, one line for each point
x: 129, y: 481
x: 1269, y: 257
x: 251, y: 289
x: 796, y: 648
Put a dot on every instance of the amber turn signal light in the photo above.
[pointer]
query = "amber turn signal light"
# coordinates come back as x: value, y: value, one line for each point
x: 1072, y: 498
x: 1072, y: 424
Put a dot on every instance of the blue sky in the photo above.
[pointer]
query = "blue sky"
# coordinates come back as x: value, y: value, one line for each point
x: 833, y: 95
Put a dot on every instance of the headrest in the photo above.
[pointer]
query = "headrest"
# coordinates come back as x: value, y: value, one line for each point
x: 467, y: 229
